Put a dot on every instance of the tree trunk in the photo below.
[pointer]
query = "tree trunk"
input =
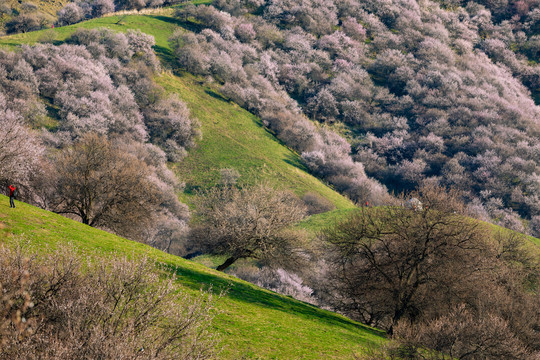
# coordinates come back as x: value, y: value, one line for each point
x: 227, y: 263
x: 85, y: 220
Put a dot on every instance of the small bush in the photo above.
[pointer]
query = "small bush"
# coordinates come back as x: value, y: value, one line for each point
x: 25, y: 22
x: 317, y: 204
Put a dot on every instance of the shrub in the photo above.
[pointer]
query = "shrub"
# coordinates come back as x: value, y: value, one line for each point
x: 316, y: 204
x: 70, y: 14
x: 26, y: 22
x: 102, y: 7
x: 171, y: 127
x: 463, y: 334
x: 60, y: 305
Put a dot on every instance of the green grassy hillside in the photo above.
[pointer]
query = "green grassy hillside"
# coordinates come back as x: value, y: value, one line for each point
x: 254, y: 323
x: 232, y: 137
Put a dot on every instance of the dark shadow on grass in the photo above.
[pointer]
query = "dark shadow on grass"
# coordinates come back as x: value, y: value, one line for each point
x: 295, y: 160
x: 271, y: 134
x: 52, y: 111
x: 187, y: 25
x: 244, y: 292
x: 165, y: 54
x: 216, y: 95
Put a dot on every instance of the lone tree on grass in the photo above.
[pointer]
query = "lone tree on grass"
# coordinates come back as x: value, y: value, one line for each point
x: 251, y: 222
x: 388, y: 263
x: 437, y: 279
x: 102, y: 185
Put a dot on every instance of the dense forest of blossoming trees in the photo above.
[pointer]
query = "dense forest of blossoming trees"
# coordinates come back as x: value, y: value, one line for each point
x: 107, y: 131
x: 417, y: 91
x: 432, y: 90
x: 401, y: 91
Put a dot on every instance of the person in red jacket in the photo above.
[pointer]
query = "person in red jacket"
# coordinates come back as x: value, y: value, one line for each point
x: 12, y: 195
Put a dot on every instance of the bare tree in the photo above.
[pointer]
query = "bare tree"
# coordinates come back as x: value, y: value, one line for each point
x: 492, y: 314
x: 387, y: 262
x: 102, y: 185
x: 250, y: 222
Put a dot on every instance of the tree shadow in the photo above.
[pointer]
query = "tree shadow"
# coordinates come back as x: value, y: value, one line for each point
x: 191, y: 189
x: 216, y: 95
x: 165, y: 54
x: 245, y: 292
x: 187, y: 25
x: 7, y: 44
x: 296, y: 161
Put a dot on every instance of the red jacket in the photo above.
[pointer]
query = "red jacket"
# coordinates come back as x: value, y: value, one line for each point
x: 11, y: 190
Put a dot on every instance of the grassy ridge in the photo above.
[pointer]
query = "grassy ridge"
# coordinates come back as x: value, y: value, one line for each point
x: 254, y: 323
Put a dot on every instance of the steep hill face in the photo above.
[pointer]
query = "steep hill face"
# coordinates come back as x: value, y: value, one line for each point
x: 232, y: 137
x: 421, y: 90
x: 253, y: 323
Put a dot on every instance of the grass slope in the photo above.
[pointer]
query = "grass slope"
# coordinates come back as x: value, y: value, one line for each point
x: 254, y: 323
x: 232, y: 137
